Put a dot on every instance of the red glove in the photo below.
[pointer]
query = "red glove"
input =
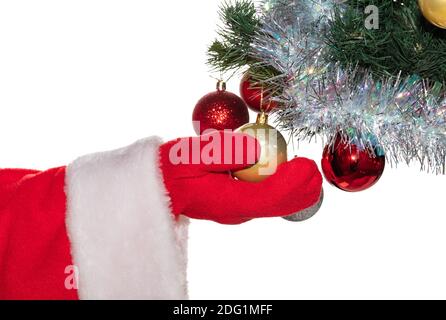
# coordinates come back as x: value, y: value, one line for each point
x: 208, y: 191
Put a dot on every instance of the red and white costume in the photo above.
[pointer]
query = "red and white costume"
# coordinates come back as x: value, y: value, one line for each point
x: 116, y: 219
x: 107, y: 214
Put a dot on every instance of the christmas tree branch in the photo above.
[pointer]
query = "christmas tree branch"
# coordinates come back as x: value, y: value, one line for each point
x: 404, y: 42
x: 239, y: 26
x: 232, y: 51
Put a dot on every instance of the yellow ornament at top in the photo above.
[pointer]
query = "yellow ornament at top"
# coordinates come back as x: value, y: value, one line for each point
x: 434, y: 11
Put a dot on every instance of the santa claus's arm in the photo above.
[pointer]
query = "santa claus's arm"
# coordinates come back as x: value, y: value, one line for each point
x: 115, y: 220
x: 104, y: 219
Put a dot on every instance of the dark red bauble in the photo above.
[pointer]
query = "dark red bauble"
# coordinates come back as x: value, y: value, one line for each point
x: 219, y: 110
x: 352, y: 168
x: 256, y: 96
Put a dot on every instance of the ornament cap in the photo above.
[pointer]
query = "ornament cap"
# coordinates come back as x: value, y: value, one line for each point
x: 221, y: 85
x: 262, y: 118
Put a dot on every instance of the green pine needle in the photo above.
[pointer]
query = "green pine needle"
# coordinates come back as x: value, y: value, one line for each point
x: 232, y: 51
x: 405, y: 42
x: 239, y: 26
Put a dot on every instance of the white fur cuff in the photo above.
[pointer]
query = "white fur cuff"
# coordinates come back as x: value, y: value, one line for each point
x: 124, y: 239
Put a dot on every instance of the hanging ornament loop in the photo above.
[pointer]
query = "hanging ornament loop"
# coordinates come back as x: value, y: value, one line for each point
x: 221, y: 85
x: 262, y: 118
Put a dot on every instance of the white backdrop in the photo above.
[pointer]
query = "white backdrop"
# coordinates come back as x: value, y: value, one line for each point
x: 89, y: 75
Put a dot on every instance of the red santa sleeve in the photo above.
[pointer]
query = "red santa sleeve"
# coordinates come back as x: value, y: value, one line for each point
x: 104, y: 219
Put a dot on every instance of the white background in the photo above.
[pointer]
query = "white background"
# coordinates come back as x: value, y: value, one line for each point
x: 84, y: 76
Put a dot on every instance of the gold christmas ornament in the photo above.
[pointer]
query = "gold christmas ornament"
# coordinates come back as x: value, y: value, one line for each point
x: 273, y: 150
x: 434, y: 11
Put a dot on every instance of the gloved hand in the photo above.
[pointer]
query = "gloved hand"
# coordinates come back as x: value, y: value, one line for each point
x: 205, y: 190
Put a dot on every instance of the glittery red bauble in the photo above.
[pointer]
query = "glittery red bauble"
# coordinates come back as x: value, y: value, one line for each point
x: 351, y: 167
x: 220, y: 110
x: 256, y: 96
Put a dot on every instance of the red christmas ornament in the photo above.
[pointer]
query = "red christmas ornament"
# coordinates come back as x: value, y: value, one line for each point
x: 351, y: 167
x: 256, y: 97
x: 220, y: 110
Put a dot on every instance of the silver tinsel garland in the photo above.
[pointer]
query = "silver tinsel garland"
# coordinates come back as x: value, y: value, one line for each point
x: 405, y: 117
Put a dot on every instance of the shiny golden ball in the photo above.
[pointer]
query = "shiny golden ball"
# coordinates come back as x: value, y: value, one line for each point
x: 273, y: 151
x: 434, y: 11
